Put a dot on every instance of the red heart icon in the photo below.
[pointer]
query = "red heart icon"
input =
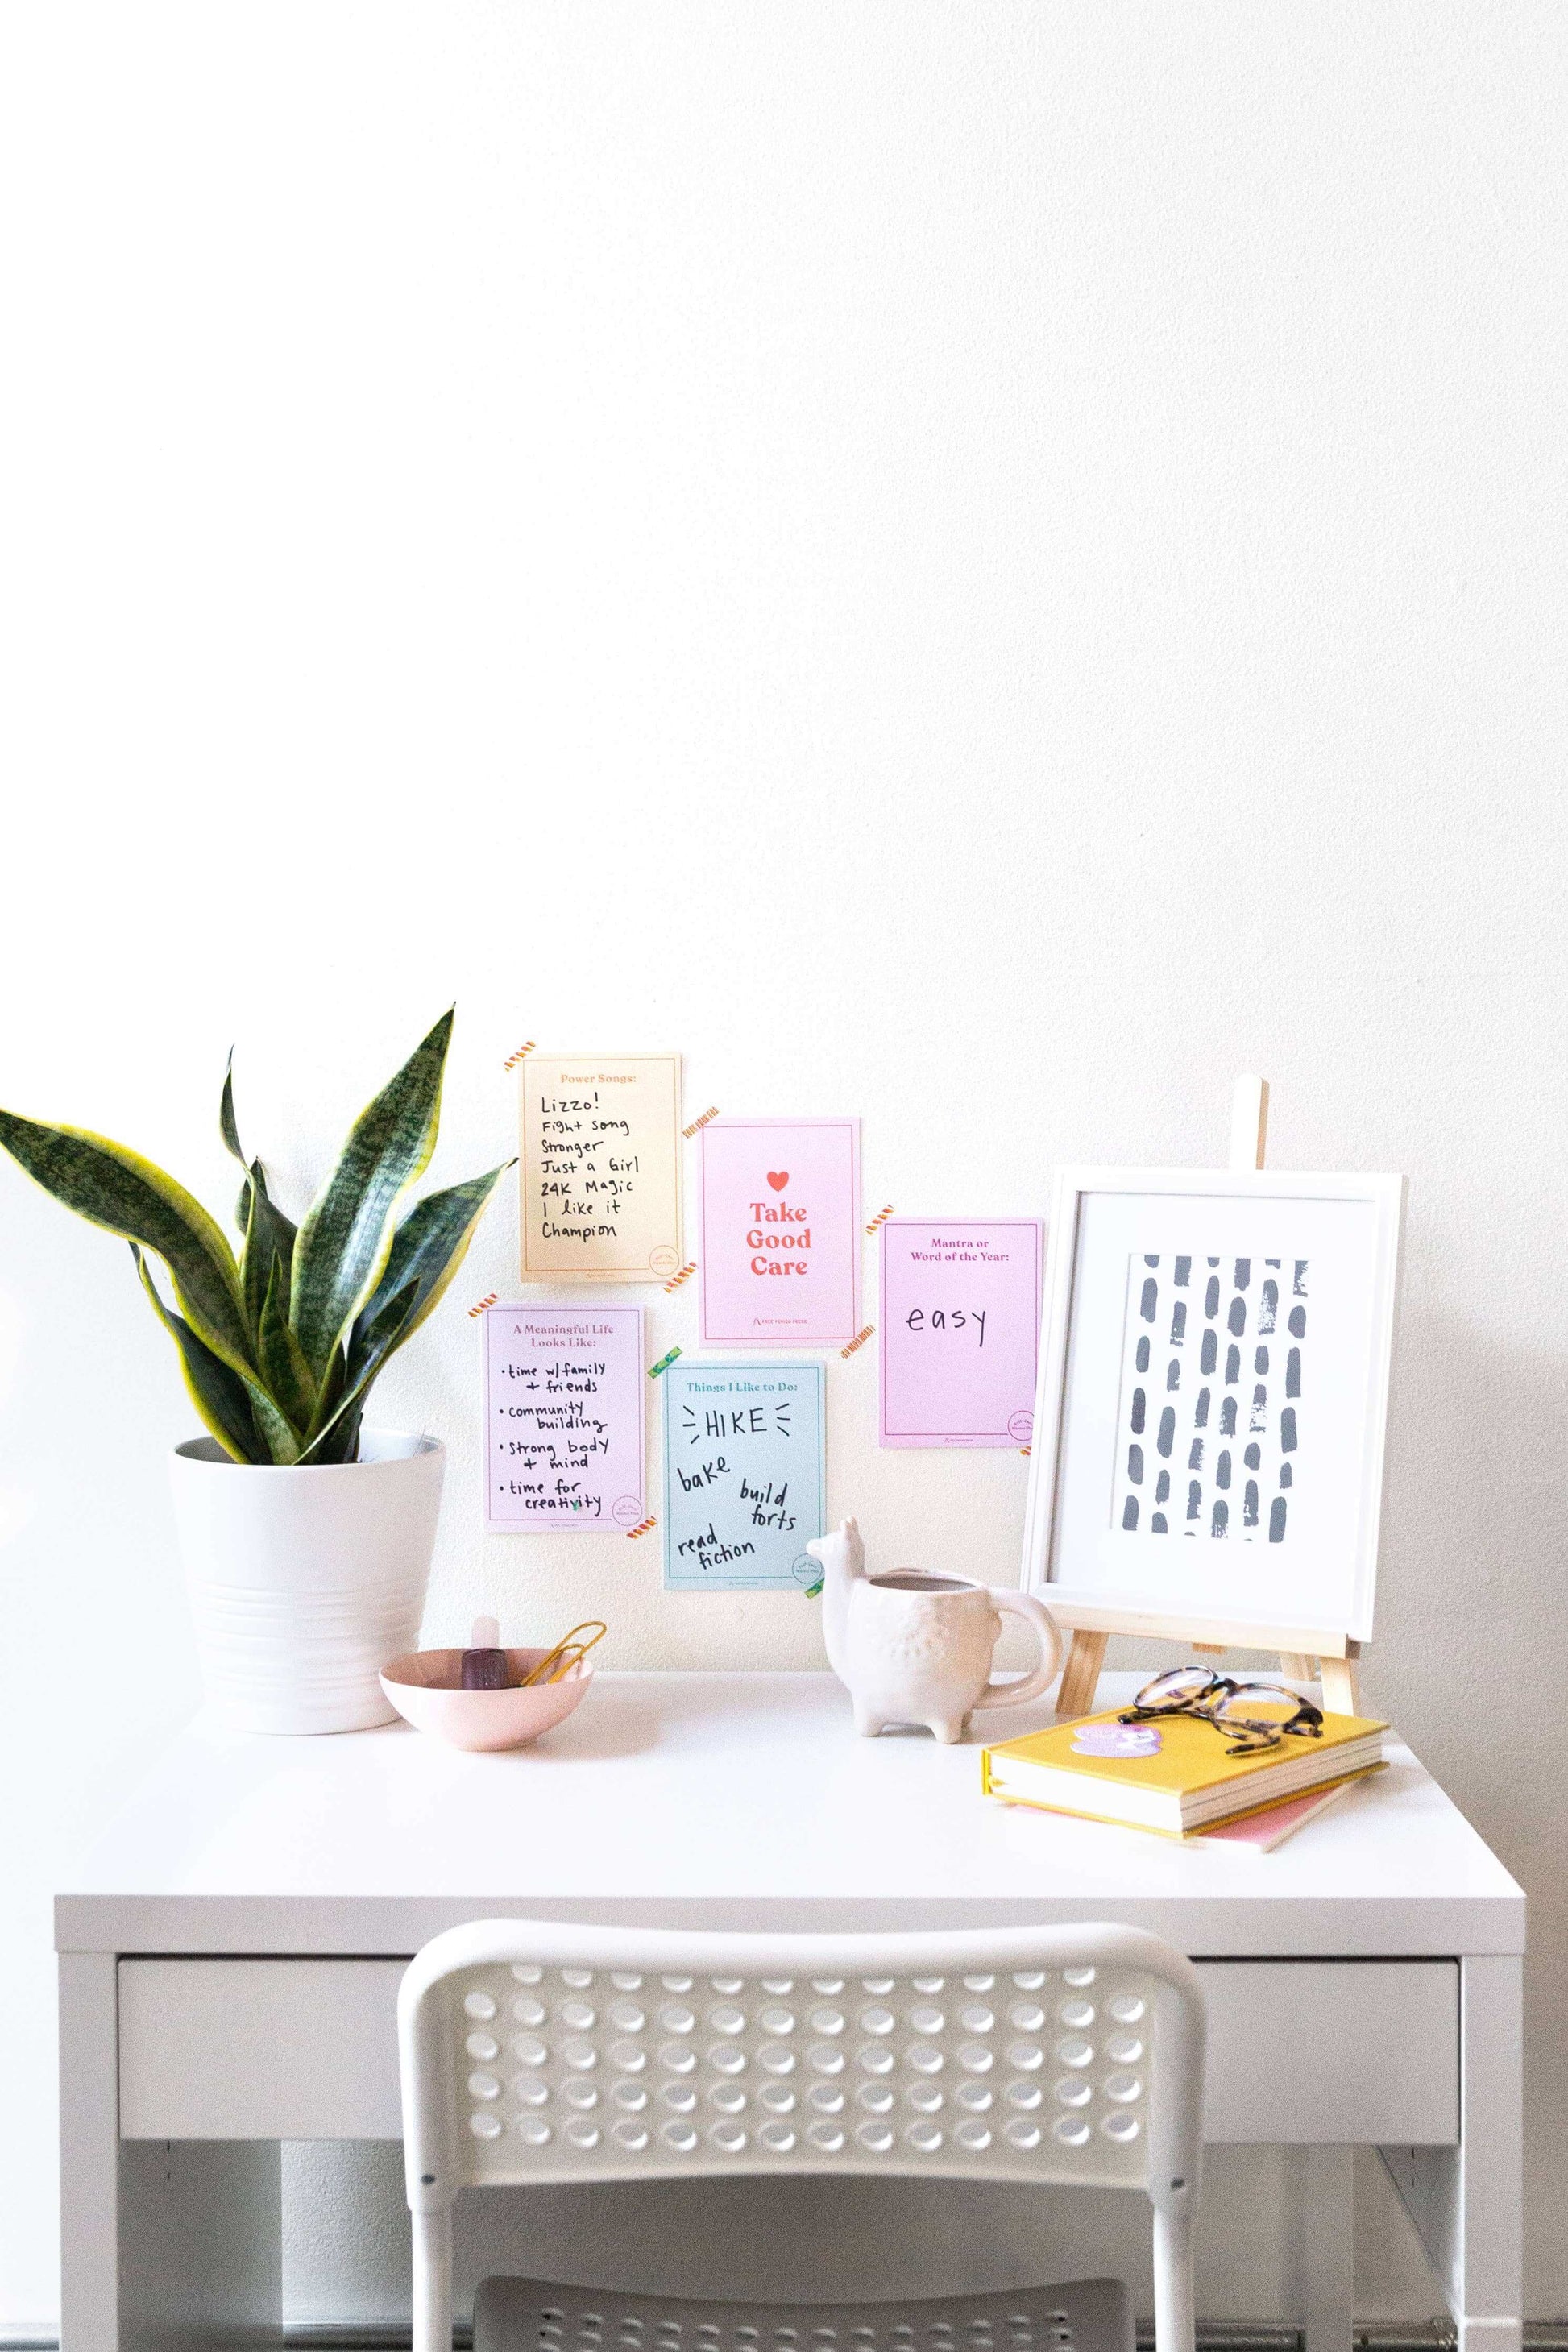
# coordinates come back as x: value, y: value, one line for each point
x: 778, y: 1177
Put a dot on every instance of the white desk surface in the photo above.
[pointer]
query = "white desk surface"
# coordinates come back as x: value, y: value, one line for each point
x: 698, y: 1799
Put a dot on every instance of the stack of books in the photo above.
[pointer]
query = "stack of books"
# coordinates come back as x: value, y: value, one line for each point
x: 1190, y: 1787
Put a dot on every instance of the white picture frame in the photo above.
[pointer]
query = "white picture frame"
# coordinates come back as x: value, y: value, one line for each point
x: 1302, y: 1579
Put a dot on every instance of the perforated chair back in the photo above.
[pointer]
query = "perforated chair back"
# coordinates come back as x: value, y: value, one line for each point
x: 536, y: 2051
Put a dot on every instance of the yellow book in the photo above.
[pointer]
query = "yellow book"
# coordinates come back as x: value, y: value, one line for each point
x: 1188, y: 1783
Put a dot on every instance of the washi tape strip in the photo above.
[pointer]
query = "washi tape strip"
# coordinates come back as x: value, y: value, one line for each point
x: 684, y: 1275
x: 880, y: 1218
x: 633, y: 1533
x: 484, y: 1303
x: 663, y: 1364
x: 712, y: 1112
x: 860, y: 1339
x: 521, y: 1055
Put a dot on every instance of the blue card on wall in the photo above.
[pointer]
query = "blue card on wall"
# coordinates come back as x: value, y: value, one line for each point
x: 743, y: 1475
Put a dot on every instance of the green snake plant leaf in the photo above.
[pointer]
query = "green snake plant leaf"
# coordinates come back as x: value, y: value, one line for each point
x: 269, y: 1248
x: 283, y: 1367
x: 218, y: 1394
x: 340, y: 1441
x: 345, y: 1241
x: 278, y: 1231
x: 228, y: 1126
x: 426, y: 1249
x: 236, y: 1407
x: 383, y: 1335
x: 128, y: 1195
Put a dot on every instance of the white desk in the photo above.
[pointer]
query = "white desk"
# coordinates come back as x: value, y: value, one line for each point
x: 1364, y: 1983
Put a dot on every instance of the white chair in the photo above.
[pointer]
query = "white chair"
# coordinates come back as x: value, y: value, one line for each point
x: 536, y: 2051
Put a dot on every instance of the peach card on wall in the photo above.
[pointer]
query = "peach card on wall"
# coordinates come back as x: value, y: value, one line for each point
x: 779, y: 1246
x: 600, y: 1167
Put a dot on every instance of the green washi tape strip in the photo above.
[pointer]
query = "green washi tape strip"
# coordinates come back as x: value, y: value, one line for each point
x: 663, y: 1364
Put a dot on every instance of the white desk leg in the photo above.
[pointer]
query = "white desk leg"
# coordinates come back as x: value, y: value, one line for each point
x: 163, y: 2243
x: 90, y: 2155
x: 1322, y: 2188
x: 1467, y: 2201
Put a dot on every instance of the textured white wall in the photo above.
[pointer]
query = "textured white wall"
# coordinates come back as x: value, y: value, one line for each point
x: 981, y: 564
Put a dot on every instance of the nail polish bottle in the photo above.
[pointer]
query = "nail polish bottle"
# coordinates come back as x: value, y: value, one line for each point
x: 485, y: 1663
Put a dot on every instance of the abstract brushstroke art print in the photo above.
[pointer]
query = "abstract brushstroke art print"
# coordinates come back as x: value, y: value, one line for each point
x: 1214, y: 1420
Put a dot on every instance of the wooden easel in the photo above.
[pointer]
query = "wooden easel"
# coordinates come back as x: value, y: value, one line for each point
x: 1080, y: 1675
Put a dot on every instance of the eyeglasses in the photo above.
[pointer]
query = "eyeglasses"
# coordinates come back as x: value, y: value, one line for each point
x: 1230, y: 1706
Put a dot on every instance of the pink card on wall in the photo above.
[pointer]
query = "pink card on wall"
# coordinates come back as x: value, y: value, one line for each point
x: 960, y: 1324
x: 779, y: 1239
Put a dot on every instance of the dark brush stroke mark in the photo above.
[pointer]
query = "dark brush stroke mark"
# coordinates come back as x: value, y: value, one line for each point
x: 1138, y: 1409
x: 1135, y: 1464
x: 1298, y: 1322
x: 1294, y: 1372
x: 1167, y: 1432
x: 1221, y: 1471
x: 1142, y: 1359
x: 1151, y: 1297
x: 1210, y: 1297
x: 1201, y: 1410
x: 1271, y: 1261
x: 1260, y: 1360
x: 1162, y: 1488
x: 1208, y: 1355
x: 1178, y: 1322
x: 1250, y: 1505
x: 1285, y: 1477
x: 1184, y: 1272
x: 1157, y: 1524
x: 1252, y: 1457
x: 1287, y: 1429
x: 1277, y: 1519
x: 1258, y: 1418
x: 1194, y: 1499
x: 1129, y: 1513
x: 1299, y: 1287
x: 1242, y: 1272
x: 1195, y: 1454
x: 1235, y: 1321
x: 1173, y: 1373
x: 1152, y: 1261
x: 1221, y: 1518
x: 1227, y: 1416
x: 1232, y: 1367
x: 1269, y: 1306
x: 1214, y: 1261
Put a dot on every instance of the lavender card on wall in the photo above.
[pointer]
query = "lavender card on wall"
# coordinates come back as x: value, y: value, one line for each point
x: 960, y: 1330
x: 564, y: 1418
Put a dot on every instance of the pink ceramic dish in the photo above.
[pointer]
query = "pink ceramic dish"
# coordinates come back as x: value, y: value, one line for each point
x: 423, y: 1687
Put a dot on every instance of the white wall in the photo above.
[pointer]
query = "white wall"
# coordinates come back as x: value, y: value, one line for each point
x: 981, y: 564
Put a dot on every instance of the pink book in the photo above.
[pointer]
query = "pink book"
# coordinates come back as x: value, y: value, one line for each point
x: 1261, y: 1832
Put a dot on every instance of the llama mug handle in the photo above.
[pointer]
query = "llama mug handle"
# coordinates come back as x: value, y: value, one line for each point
x: 1043, y: 1625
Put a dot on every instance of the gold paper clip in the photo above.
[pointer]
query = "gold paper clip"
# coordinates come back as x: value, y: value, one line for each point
x: 569, y: 1652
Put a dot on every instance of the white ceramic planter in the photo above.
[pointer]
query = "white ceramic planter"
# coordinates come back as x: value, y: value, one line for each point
x: 304, y: 1583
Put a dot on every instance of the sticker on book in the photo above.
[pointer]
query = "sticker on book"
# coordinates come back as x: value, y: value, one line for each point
x: 780, y: 1241
x: 743, y: 1475
x: 1116, y: 1740
x: 1214, y: 1393
x: 960, y: 1322
x: 564, y: 1419
x: 600, y: 1167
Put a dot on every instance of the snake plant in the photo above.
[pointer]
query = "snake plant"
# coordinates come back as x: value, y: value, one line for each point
x: 280, y: 1344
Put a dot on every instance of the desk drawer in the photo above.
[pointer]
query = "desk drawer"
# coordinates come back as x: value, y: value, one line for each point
x: 1299, y: 2051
